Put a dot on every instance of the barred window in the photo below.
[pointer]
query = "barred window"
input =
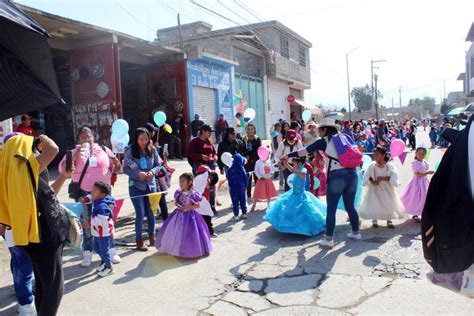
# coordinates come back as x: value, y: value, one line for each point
x: 302, y: 55
x: 284, y: 47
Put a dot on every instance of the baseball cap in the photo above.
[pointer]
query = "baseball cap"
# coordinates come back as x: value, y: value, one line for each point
x: 230, y: 130
x: 291, y: 135
x: 151, y: 128
x: 206, y: 128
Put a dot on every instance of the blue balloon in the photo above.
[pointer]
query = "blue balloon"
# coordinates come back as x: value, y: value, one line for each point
x: 120, y: 128
x: 159, y: 118
x: 367, y: 161
x: 274, y: 134
x: 75, y: 208
x: 317, y: 183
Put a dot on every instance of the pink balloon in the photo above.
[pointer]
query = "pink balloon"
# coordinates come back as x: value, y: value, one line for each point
x: 393, y: 138
x: 397, y: 148
x: 263, y: 152
x: 368, y: 133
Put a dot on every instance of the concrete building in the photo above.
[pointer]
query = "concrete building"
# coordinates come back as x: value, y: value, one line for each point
x: 273, y: 62
x: 468, y: 76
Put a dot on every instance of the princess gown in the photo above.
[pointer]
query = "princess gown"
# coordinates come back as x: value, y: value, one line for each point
x: 414, y: 195
x: 297, y: 211
x: 184, y: 233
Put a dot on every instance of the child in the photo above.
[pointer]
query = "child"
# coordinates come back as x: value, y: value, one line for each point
x: 309, y: 184
x: 433, y: 136
x: 184, y: 233
x: 102, y: 225
x: 414, y: 195
x: 238, y: 181
x: 264, y: 189
x: 297, y: 211
x: 320, y: 173
x: 205, y: 178
x: 381, y: 200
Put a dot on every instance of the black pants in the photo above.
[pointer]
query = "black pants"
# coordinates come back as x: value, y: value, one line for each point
x: 208, y: 221
x: 249, y: 187
x: 175, y: 147
x: 49, y: 278
x: 163, y: 207
x: 412, y: 141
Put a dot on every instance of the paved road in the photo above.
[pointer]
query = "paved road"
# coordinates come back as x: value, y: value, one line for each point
x: 255, y: 270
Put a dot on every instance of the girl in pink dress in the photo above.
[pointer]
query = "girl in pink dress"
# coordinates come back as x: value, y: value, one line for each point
x: 264, y: 189
x: 320, y: 173
x: 414, y: 195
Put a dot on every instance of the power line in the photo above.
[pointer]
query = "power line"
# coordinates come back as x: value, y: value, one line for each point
x: 238, y: 15
x: 242, y: 5
x: 132, y: 16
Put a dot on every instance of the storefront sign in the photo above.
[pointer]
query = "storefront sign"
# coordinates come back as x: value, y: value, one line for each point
x: 290, y: 98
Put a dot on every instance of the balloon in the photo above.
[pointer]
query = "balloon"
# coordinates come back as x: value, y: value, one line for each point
x: 317, y: 183
x: 227, y: 159
x: 428, y: 153
x: 397, y: 147
x: 159, y: 118
x: 290, y: 180
x: 167, y: 128
x: 306, y: 115
x: 120, y: 128
x: 436, y: 165
x: 392, y: 139
x: 250, y: 115
x: 119, y: 144
x: 367, y: 161
x: 263, y: 152
x: 368, y: 132
x: 274, y: 134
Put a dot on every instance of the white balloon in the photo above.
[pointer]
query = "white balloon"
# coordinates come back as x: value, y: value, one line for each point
x: 227, y: 159
x: 306, y: 115
x: 249, y: 115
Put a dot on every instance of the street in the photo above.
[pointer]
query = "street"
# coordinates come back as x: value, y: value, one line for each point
x: 253, y: 269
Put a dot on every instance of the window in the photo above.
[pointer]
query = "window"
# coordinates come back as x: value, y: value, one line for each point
x: 284, y: 47
x: 302, y: 55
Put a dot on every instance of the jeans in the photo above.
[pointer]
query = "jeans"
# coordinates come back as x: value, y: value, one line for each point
x: 237, y: 196
x: 142, y: 209
x: 22, y: 271
x: 341, y: 182
x: 102, y: 247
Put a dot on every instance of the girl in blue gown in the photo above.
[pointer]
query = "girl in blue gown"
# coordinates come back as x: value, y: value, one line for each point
x: 297, y: 211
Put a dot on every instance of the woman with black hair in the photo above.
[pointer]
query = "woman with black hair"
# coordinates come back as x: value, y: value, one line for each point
x: 142, y: 163
x: 341, y: 181
x: 230, y: 144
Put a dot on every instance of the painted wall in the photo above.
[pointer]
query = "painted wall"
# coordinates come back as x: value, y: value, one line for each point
x: 278, y: 91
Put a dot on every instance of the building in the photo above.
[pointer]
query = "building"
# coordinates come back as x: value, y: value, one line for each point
x: 274, y: 63
x: 468, y: 76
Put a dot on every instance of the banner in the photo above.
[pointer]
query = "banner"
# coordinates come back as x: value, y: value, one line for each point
x: 402, y: 157
x: 117, y: 208
x: 154, y: 199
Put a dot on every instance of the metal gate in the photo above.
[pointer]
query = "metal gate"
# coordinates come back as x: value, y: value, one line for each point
x: 252, y: 89
x: 204, y: 104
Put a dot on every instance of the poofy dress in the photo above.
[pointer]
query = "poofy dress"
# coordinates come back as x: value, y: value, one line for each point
x: 381, y: 201
x: 414, y: 195
x: 297, y: 211
x: 264, y: 189
x: 184, y: 233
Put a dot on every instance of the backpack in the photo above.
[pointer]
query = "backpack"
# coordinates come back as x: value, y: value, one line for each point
x: 349, y: 155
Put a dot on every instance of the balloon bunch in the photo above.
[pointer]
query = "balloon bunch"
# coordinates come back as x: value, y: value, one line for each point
x: 120, y: 137
x: 239, y: 102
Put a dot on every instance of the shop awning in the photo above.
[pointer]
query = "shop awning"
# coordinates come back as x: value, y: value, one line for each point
x: 307, y: 106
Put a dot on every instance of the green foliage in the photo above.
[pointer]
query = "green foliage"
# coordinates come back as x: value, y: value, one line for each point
x: 362, y: 97
x: 426, y: 104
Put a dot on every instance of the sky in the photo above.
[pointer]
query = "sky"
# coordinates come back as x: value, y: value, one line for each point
x: 423, y: 41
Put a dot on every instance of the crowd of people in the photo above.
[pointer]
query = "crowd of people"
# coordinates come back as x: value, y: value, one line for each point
x: 308, y: 159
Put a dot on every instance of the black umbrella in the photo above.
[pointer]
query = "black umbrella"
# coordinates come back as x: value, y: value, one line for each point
x: 27, y: 76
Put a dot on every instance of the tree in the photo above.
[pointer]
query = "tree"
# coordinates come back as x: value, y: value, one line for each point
x: 425, y: 104
x: 362, y: 97
x: 445, y: 107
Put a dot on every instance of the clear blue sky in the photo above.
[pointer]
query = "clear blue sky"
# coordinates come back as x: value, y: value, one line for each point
x: 422, y: 40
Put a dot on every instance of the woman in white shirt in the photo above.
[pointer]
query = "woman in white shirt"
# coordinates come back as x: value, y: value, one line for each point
x: 288, y: 145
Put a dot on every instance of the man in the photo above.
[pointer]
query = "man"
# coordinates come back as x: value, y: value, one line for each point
x: 25, y: 126
x: 230, y: 144
x: 221, y: 126
x: 196, y: 125
x: 239, y: 125
x: 175, y: 149
x: 412, y: 135
x: 381, y: 134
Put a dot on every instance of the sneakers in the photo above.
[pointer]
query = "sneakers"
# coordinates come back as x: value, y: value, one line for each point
x: 354, y: 236
x: 235, y: 218
x: 114, y: 255
x: 214, y: 235
x: 86, y: 258
x: 101, y: 267
x: 27, y: 310
x: 106, y: 272
x: 327, y: 243
x: 243, y: 216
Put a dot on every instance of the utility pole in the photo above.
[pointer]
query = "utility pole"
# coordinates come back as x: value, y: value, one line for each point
x: 348, y: 82
x: 400, y: 95
x: 376, y: 96
x: 393, y: 111
x: 374, y: 93
x: 444, y: 89
x: 180, y: 35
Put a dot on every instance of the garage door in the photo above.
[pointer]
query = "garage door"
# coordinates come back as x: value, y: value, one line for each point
x: 204, y: 100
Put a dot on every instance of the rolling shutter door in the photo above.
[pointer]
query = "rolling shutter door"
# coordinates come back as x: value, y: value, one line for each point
x: 204, y: 101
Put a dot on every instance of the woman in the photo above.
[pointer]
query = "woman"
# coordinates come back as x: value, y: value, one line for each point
x: 252, y: 143
x: 341, y: 181
x: 230, y: 144
x: 19, y: 213
x: 97, y: 163
x: 289, y: 144
x: 311, y: 135
x: 142, y: 163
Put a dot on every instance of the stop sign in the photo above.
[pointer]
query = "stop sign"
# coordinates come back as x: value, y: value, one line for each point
x: 290, y: 98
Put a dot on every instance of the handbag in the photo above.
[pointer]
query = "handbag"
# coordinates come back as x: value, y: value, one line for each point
x: 74, y: 239
x: 74, y: 188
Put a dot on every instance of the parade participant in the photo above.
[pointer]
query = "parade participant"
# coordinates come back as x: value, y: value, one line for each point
x: 230, y: 144
x: 289, y: 144
x: 142, y: 163
x: 311, y: 134
x: 102, y: 225
x: 284, y: 128
x: 185, y: 234
x: 381, y: 201
x: 319, y: 168
x: 346, y: 129
x: 412, y: 134
x: 276, y: 136
x: 414, y: 195
x: 264, y: 189
x: 342, y: 181
x: 25, y: 126
x: 221, y: 126
x: 23, y: 172
x: 196, y: 125
x: 252, y: 144
x: 238, y: 181
x: 297, y: 211
x: 175, y: 146
x: 239, y: 125
x: 295, y: 125
x: 433, y: 136
x: 205, y: 178
x: 91, y: 162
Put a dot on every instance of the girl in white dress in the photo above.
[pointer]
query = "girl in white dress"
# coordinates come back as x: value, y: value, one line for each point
x: 381, y: 201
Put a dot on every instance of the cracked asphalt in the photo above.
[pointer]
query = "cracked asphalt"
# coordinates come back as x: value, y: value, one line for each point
x: 255, y: 270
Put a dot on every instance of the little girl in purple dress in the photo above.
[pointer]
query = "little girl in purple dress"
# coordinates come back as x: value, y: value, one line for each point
x: 414, y: 195
x: 185, y: 233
